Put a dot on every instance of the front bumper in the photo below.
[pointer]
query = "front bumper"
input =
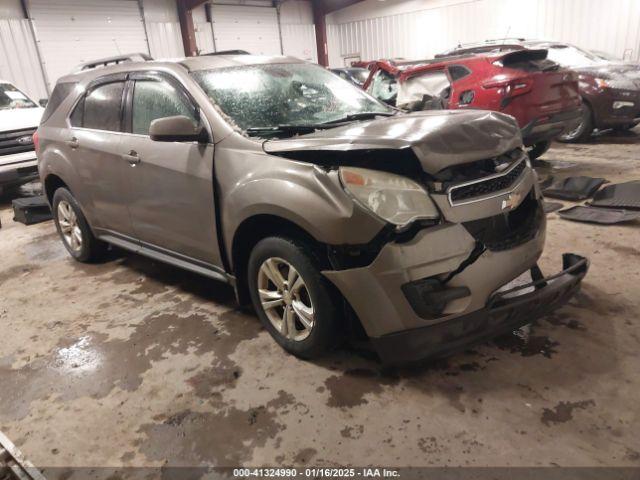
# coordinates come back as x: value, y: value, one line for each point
x: 549, y: 127
x: 505, y: 311
x: 18, y: 169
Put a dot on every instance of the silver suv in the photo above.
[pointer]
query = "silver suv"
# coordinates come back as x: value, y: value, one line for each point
x: 328, y: 211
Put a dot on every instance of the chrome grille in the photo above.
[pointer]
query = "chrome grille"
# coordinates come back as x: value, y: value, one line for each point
x: 16, y: 141
x: 486, y: 186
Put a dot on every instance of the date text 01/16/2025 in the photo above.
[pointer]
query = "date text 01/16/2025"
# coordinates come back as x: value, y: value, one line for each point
x: 315, y: 473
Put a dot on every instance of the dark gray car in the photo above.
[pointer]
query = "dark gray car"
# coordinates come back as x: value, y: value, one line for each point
x: 324, y: 208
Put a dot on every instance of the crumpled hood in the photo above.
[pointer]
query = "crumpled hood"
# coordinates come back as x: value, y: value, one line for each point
x: 439, y: 138
x: 19, y: 118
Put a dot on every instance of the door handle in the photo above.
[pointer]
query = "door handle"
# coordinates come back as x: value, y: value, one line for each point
x: 73, y: 143
x: 132, y: 157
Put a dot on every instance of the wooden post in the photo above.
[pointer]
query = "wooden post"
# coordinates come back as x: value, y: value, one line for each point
x: 186, y: 25
x: 319, y: 21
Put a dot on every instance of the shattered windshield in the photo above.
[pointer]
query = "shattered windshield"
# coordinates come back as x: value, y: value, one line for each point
x: 573, y: 57
x: 11, y: 97
x: 293, y: 94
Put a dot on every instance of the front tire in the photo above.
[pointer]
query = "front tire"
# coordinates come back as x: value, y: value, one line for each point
x: 73, y: 228
x: 583, y: 131
x: 294, y: 302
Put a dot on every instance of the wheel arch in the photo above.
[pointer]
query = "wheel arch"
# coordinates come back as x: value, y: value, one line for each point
x: 589, y: 104
x: 52, y: 182
x: 255, y: 228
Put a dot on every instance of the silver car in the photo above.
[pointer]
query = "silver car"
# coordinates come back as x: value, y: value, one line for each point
x: 328, y: 211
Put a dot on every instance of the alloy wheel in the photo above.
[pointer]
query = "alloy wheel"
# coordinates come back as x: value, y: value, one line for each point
x: 573, y: 133
x: 285, y: 299
x: 69, y: 227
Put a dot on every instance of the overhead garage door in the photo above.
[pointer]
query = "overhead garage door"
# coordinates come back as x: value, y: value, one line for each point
x: 254, y: 29
x: 75, y: 31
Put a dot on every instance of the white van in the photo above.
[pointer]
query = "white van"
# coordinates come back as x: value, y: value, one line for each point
x: 19, y: 119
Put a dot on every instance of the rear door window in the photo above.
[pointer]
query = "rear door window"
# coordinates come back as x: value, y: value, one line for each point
x: 100, y: 109
x: 153, y: 99
x: 103, y: 107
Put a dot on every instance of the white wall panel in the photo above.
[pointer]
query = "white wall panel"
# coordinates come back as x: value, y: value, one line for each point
x: 298, y: 31
x: 163, y: 28
x: 297, y: 12
x: 19, y: 59
x: 70, y: 32
x: 204, y: 37
x: 299, y: 41
x: 160, y: 10
x: 254, y: 29
x: 422, y: 28
x: 165, y: 40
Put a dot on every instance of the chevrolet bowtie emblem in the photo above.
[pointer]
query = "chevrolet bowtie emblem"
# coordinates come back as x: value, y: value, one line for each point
x: 512, y: 201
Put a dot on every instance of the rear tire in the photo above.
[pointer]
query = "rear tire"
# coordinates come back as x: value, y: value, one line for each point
x: 73, y: 228
x: 298, y: 307
x: 583, y: 131
x: 539, y: 149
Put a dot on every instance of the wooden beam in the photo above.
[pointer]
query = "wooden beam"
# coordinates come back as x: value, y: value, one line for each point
x: 320, y: 24
x: 320, y: 10
x: 186, y: 25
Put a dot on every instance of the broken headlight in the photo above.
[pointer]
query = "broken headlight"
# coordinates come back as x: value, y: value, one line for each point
x: 394, y: 198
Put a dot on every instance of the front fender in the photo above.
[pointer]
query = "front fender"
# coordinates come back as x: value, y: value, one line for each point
x: 304, y: 194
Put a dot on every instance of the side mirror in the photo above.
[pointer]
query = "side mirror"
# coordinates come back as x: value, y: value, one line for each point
x: 177, y: 129
x: 43, y: 102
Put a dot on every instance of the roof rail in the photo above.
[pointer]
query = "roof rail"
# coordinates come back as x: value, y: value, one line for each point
x: 505, y: 39
x: 226, y: 52
x: 115, y: 60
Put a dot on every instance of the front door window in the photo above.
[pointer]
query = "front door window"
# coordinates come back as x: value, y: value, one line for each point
x: 153, y: 99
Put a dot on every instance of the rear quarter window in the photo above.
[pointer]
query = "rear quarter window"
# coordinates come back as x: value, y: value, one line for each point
x: 458, y: 71
x: 60, y: 92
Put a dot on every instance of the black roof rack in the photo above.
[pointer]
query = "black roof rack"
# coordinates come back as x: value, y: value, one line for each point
x: 115, y: 60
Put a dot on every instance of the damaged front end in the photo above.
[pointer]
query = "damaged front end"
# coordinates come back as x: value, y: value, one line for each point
x: 505, y: 311
x: 431, y: 283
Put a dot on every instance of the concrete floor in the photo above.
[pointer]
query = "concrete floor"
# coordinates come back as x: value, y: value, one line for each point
x: 133, y: 363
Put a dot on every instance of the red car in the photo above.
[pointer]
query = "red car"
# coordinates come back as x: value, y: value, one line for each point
x: 542, y: 97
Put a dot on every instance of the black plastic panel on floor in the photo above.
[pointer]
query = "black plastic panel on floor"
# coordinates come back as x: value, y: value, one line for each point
x: 605, y: 216
x: 550, y: 207
x: 620, y: 195
x: 572, y: 188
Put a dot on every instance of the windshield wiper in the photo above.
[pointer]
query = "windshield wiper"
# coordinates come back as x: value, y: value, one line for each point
x: 282, y: 129
x: 312, y: 127
x: 288, y: 128
x: 360, y: 116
